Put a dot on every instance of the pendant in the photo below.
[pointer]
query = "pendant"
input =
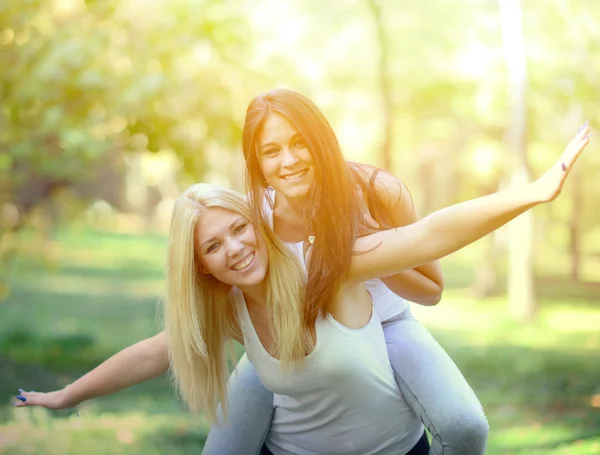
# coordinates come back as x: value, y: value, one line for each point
x: 311, y: 239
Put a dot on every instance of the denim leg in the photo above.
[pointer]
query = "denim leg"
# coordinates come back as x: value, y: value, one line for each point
x: 248, y: 417
x: 435, y: 388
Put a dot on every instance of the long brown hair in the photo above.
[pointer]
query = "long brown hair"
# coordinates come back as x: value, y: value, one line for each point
x: 334, y: 216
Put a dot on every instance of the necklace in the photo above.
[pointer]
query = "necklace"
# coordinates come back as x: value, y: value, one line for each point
x: 311, y: 237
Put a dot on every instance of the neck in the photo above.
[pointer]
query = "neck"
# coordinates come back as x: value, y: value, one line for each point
x: 294, y: 209
x: 298, y: 205
x: 257, y: 292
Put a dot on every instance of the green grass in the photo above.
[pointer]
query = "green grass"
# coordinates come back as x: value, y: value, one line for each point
x: 101, y: 292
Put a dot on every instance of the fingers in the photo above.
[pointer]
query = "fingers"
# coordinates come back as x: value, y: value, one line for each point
x: 26, y: 399
x: 574, y: 149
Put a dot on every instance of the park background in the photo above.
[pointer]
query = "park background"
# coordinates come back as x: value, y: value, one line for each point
x: 110, y: 108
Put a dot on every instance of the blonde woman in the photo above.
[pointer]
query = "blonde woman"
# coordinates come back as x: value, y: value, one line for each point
x: 227, y: 279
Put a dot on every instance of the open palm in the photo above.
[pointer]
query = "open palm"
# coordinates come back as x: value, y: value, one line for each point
x: 550, y: 184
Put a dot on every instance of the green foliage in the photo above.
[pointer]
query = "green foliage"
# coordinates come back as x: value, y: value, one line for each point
x: 83, y: 83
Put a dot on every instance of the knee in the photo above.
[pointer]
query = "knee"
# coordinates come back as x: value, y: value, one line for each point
x: 465, y: 432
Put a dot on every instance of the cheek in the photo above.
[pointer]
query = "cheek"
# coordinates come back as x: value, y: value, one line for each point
x: 250, y: 238
x: 306, y: 156
x: 270, y: 171
x: 267, y: 166
x: 210, y: 265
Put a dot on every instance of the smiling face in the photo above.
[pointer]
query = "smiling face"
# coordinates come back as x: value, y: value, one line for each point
x: 285, y: 161
x: 229, y: 249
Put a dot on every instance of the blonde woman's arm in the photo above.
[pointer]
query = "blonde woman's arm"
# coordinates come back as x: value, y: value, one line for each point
x: 443, y: 232
x: 138, y: 363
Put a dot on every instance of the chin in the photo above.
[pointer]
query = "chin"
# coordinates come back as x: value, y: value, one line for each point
x: 256, y: 278
x: 296, y: 191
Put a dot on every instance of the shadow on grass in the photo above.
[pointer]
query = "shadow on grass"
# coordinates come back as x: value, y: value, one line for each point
x: 522, y: 387
x: 173, y: 440
x: 69, y: 351
x: 548, y: 446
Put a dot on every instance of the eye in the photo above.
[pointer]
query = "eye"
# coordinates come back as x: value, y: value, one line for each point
x: 212, y: 247
x: 299, y: 144
x: 241, y: 228
x: 271, y: 152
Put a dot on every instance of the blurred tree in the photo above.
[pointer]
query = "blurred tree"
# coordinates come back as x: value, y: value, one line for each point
x: 521, y: 298
x: 385, y: 90
x: 85, y: 82
x: 564, y: 51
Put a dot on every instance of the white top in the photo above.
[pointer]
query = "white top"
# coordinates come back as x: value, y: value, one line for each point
x: 343, y: 399
x: 386, y: 303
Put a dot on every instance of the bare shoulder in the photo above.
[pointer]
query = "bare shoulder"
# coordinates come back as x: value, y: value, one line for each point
x: 391, y: 191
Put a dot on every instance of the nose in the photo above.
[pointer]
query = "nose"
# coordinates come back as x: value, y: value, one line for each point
x: 234, y: 247
x: 289, y: 157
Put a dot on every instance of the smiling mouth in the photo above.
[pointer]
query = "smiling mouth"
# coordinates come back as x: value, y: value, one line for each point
x: 244, y: 263
x: 295, y: 175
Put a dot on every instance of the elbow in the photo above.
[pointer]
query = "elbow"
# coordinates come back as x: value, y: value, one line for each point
x: 431, y: 298
x: 437, y: 289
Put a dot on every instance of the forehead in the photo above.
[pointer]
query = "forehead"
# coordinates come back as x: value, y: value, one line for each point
x: 276, y: 129
x: 215, y: 221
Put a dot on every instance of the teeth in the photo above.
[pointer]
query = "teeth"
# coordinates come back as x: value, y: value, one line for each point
x: 245, y: 263
x: 294, y: 176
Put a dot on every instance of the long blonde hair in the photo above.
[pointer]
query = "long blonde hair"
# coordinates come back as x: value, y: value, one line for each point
x: 200, y: 316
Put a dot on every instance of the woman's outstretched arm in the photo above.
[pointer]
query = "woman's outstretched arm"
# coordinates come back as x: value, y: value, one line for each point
x: 135, y: 364
x: 423, y: 284
x: 448, y: 230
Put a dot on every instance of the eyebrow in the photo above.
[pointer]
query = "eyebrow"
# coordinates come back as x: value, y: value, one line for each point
x: 231, y: 226
x: 294, y: 137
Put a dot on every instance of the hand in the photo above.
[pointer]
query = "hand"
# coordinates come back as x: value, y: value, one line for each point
x: 50, y: 400
x: 550, y: 184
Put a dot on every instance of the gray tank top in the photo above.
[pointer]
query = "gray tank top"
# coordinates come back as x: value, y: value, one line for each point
x: 342, y: 400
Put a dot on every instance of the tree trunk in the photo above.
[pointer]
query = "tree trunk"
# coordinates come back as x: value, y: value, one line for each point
x: 577, y: 195
x: 574, y: 225
x: 486, y: 278
x: 385, y: 90
x: 520, y: 286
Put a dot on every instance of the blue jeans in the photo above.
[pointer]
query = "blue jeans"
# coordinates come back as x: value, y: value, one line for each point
x: 428, y: 378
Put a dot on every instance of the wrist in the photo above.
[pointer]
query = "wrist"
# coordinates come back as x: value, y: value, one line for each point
x: 69, y: 400
x: 535, y: 194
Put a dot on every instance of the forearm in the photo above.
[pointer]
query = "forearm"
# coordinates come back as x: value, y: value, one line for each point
x: 422, y: 285
x: 138, y: 363
x: 389, y: 252
x: 452, y: 228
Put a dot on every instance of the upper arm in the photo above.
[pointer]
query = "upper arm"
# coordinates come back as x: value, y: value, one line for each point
x: 158, y: 346
x: 388, y: 252
x: 395, y: 200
